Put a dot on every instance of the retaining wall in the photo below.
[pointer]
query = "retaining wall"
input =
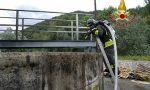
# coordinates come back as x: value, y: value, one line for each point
x: 133, y: 64
x: 50, y: 71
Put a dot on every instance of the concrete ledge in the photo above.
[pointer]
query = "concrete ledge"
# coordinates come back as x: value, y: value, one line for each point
x: 44, y: 44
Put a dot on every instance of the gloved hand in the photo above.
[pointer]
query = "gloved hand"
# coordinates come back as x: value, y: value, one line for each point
x: 93, y: 31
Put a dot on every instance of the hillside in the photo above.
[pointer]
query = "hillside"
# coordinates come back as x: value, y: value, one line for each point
x: 132, y: 39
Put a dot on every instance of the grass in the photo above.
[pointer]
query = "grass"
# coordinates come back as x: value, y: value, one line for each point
x: 136, y: 58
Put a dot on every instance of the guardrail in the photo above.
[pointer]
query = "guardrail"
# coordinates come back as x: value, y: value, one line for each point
x: 46, y: 44
x: 21, y: 16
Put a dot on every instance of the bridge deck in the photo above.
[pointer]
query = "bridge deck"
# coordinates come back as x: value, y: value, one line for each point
x: 44, y: 44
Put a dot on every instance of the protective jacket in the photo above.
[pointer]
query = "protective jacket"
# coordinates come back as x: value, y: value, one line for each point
x: 103, y: 33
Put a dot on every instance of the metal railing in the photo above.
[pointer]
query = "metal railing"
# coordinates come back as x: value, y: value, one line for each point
x: 21, y: 16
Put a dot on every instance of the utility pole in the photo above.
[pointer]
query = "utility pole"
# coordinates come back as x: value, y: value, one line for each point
x: 95, y: 10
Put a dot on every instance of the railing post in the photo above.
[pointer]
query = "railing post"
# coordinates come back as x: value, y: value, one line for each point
x: 71, y: 30
x: 95, y: 10
x: 91, y: 37
x: 17, y: 23
x: 77, y: 26
x: 22, y: 29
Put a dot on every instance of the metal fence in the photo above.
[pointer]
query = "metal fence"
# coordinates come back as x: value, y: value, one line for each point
x: 23, y: 19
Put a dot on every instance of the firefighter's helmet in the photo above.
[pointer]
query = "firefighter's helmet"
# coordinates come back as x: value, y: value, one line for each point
x: 90, y: 22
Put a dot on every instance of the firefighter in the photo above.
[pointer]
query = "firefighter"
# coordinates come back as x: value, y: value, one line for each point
x: 97, y: 28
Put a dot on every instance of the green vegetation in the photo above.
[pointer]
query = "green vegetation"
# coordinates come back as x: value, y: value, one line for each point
x: 136, y: 58
x: 133, y: 40
x: 7, y: 35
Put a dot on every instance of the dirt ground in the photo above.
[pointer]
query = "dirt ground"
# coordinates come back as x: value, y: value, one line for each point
x: 126, y: 84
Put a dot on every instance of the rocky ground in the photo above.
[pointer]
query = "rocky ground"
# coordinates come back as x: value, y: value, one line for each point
x: 137, y: 79
x: 141, y: 73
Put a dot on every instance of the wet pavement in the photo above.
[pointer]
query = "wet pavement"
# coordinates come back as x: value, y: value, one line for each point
x: 126, y: 84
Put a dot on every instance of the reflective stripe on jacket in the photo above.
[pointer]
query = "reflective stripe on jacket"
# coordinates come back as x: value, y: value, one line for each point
x: 108, y: 43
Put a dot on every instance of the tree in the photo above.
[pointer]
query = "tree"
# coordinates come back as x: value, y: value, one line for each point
x: 132, y: 40
x: 147, y: 11
x: 8, y: 34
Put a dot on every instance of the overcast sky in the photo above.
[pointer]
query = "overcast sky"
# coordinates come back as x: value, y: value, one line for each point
x: 65, y: 5
x: 57, y: 6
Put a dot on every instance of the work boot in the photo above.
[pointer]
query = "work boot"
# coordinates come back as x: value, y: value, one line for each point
x: 113, y: 69
x: 106, y: 70
x: 107, y: 73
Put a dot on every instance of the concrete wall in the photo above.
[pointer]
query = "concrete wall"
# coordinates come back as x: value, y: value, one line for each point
x: 50, y: 71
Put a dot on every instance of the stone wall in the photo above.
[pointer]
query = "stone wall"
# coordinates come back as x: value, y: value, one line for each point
x: 50, y: 71
x: 132, y: 64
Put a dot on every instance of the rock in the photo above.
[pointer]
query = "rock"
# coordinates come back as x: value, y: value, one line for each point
x: 124, y: 73
x: 140, y: 73
x: 143, y: 73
